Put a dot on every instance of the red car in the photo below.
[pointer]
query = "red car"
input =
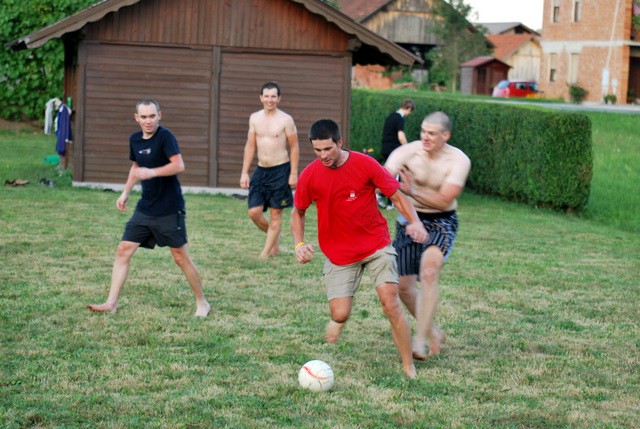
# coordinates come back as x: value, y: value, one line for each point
x: 516, y: 88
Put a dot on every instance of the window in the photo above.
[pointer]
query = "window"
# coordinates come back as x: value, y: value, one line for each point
x: 553, y: 60
x: 577, y: 10
x: 556, y: 11
x: 573, y: 68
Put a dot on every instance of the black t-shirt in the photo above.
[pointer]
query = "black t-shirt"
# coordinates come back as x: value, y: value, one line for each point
x: 161, y: 196
x: 393, y: 124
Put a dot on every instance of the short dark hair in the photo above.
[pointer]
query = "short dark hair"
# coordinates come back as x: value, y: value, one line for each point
x: 323, y: 129
x: 270, y: 85
x: 147, y: 102
x: 408, y: 104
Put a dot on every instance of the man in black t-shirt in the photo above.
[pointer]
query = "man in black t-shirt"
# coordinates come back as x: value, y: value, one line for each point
x: 393, y: 136
x: 159, y: 217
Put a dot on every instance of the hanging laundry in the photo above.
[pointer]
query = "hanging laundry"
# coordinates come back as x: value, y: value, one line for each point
x: 50, y: 108
x: 64, y: 129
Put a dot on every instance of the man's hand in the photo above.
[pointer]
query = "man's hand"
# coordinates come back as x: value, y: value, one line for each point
x: 406, y: 182
x: 417, y: 232
x: 143, y: 173
x: 121, y: 203
x: 244, y: 181
x: 305, y: 253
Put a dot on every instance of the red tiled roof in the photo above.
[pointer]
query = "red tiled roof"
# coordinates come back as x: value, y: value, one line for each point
x: 358, y: 9
x: 507, y: 44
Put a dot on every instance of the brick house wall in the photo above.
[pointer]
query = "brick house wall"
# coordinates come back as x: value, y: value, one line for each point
x: 588, y: 43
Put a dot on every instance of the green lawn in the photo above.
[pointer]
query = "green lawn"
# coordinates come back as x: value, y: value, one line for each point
x: 540, y: 309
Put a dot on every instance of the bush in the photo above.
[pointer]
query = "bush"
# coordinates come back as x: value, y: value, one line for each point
x: 537, y: 157
x: 577, y: 93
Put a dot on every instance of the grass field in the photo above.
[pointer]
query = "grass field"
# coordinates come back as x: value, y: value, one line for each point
x: 540, y: 309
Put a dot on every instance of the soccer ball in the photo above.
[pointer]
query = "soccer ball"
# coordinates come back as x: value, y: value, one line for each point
x: 316, y: 376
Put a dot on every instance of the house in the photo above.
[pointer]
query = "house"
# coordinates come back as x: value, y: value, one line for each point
x: 591, y: 44
x: 404, y: 22
x: 204, y: 61
x: 521, y: 51
x: 480, y: 75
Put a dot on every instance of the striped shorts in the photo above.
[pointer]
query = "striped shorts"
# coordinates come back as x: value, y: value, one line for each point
x: 441, y: 227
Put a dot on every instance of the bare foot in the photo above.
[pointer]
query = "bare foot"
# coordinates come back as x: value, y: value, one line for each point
x: 275, y: 250
x: 419, y: 350
x: 436, y: 341
x: 108, y: 307
x: 333, y: 331
x: 410, y: 371
x: 202, y: 310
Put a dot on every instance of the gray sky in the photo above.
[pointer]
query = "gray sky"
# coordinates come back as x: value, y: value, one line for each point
x: 528, y: 12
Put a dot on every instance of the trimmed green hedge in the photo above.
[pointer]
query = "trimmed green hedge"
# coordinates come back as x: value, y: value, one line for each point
x: 541, y: 158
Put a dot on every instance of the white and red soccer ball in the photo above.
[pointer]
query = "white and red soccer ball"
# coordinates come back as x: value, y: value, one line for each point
x: 316, y: 376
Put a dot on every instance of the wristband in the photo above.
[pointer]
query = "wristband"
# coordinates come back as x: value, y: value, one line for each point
x: 298, y: 245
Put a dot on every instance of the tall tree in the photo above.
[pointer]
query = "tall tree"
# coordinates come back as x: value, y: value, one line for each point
x: 460, y: 42
x: 29, y: 78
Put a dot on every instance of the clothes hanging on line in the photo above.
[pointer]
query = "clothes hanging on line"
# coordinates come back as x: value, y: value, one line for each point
x: 64, y: 129
x: 50, y: 108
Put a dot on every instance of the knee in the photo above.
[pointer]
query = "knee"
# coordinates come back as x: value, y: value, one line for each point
x: 340, y: 316
x: 125, y: 250
x: 255, y: 213
x: 429, y: 276
x: 180, y: 258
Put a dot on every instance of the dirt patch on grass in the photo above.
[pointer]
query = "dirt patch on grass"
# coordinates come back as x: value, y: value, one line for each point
x: 17, y: 126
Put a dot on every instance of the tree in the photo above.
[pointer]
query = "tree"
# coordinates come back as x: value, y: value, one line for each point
x: 460, y: 42
x: 29, y: 78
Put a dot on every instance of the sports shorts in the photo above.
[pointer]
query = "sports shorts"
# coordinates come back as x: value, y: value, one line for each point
x: 342, y: 281
x: 442, y: 229
x: 150, y: 231
x: 270, y: 188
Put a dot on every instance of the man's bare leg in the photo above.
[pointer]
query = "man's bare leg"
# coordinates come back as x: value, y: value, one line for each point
x: 432, y: 261
x: 182, y: 258
x: 119, y: 274
x: 409, y: 294
x: 389, y: 298
x: 340, y: 311
x: 271, y: 246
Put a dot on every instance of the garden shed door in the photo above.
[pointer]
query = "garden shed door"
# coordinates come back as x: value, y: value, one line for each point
x: 115, y: 78
x: 312, y: 87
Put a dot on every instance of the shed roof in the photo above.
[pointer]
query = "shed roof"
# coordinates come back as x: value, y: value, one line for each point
x: 507, y: 44
x: 480, y: 61
x: 503, y: 27
x: 374, y: 49
x: 361, y: 9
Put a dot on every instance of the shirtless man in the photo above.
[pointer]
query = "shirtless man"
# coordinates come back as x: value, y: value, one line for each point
x: 432, y: 174
x: 270, y: 129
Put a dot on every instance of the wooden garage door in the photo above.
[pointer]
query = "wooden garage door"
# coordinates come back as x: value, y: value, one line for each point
x: 116, y: 77
x: 312, y: 87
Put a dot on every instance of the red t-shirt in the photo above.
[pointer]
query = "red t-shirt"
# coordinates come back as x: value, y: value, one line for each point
x: 350, y: 225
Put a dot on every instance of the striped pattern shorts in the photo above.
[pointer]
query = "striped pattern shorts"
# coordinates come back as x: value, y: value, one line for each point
x: 441, y: 227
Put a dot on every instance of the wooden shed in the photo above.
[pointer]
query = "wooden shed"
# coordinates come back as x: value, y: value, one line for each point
x: 204, y: 61
x: 481, y: 74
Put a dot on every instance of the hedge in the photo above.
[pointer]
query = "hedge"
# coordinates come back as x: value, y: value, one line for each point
x: 541, y: 158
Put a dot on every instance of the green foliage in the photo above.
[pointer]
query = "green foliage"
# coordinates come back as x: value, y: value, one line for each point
x: 577, y: 93
x: 29, y: 78
x: 537, y: 157
x: 458, y: 43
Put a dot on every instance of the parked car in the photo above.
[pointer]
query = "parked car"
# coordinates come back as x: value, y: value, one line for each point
x: 516, y: 88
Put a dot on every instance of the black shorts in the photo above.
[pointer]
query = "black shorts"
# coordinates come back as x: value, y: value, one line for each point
x: 442, y: 229
x: 164, y: 231
x: 270, y: 187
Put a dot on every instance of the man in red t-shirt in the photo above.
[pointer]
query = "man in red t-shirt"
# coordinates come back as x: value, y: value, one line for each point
x: 352, y: 233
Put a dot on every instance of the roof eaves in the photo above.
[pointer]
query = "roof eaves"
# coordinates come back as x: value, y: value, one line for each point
x: 72, y: 23
x: 348, y: 25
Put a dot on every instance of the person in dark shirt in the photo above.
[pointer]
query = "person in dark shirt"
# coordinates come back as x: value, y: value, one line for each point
x: 159, y: 217
x: 393, y: 137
